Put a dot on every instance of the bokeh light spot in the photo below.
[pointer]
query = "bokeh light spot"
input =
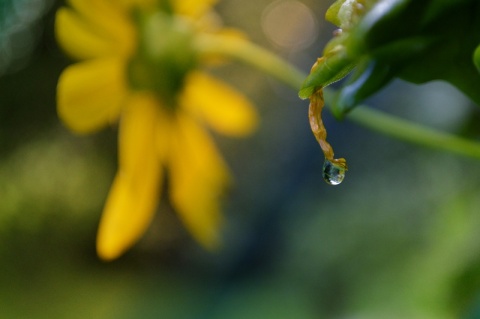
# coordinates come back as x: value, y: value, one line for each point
x: 290, y: 24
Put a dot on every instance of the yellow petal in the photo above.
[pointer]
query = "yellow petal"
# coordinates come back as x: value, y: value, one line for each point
x: 135, y: 192
x: 222, y: 107
x: 90, y: 94
x: 192, y: 8
x: 198, y: 177
x: 127, y: 214
x: 192, y: 141
x: 109, y: 19
x: 78, y: 39
x: 139, y: 127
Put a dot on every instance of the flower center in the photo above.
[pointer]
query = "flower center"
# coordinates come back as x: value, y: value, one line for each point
x: 164, y: 56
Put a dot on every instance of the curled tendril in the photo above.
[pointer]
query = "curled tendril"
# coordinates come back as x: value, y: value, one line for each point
x: 318, y: 129
x: 333, y: 168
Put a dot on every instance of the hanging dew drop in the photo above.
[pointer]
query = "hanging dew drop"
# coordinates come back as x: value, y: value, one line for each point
x: 333, y: 168
x: 334, y: 173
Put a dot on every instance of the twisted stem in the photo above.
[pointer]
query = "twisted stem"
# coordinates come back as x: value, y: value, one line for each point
x: 269, y: 63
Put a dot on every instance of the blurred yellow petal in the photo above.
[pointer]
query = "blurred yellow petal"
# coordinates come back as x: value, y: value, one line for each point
x: 110, y: 20
x: 78, y: 39
x: 90, y: 94
x: 192, y: 139
x: 135, y: 192
x: 139, y: 128
x: 223, y: 108
x: 198, y: 177
x: 192, y: 8
x: 128, y: 213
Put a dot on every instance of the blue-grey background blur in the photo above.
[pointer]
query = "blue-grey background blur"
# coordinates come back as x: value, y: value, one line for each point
x: 398, y: 239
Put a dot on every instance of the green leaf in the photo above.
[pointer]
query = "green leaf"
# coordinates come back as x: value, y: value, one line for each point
x: 327, y: 71
x: 332, y: 13
x: 370, y: 77
x: 476, y: 58
x: 417, y: 41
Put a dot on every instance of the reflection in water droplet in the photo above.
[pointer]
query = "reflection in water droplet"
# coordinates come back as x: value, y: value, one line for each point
x: 333, y: 173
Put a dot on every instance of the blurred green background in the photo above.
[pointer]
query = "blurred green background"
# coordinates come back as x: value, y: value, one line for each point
x: 398, y: 239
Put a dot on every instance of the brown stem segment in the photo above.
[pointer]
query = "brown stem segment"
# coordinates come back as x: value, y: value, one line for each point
x: 318, y: 129
x: 316, y: 123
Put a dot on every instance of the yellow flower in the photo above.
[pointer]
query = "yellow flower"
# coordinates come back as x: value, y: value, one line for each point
x: 138, y: 66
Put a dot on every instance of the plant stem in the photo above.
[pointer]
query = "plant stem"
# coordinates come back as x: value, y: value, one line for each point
x: 249, y: 53
x: 413, y: 132
x: 270, y: 63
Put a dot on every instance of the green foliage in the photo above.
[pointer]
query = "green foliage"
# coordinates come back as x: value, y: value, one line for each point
x: 476, y: 57
x: 417, y: 41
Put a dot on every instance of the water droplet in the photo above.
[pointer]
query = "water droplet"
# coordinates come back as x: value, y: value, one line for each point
x: 334, y: 173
